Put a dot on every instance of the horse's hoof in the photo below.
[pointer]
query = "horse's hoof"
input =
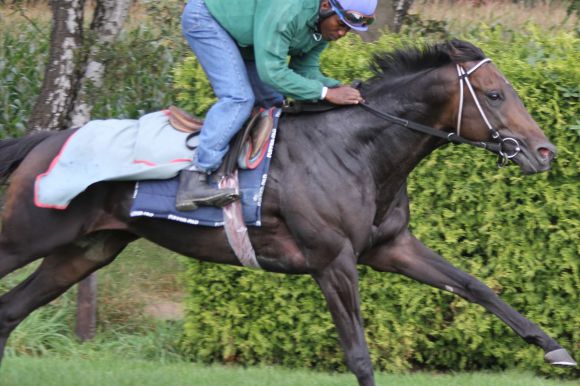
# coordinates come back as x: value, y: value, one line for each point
x: 560, y: 357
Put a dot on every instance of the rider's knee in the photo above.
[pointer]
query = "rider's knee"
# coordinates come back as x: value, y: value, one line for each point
x: 242, y: 97
x: 250, y: 101
x: 243, y: 102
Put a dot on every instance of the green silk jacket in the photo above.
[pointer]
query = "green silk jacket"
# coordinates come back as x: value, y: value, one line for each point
x: 276, y: 29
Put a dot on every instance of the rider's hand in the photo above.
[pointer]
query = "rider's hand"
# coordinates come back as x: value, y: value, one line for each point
x: 344, y: 95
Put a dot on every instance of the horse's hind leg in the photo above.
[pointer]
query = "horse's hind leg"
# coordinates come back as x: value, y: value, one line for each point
x: 13, y: 256
x: 56, y: 274
x: 408, y: 256
x: 31, y: 235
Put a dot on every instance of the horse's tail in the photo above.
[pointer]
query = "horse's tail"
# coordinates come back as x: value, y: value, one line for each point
x: 13, y: 151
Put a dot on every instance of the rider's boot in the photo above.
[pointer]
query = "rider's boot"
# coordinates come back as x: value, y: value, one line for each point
x: 194, y: 190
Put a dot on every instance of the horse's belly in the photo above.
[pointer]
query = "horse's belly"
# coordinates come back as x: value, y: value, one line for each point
x: 276, y: 251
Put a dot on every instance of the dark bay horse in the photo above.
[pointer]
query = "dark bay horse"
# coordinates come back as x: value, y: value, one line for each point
x: 336, y: 197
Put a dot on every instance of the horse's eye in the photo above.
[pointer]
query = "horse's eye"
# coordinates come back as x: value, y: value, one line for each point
x: 493, y: 95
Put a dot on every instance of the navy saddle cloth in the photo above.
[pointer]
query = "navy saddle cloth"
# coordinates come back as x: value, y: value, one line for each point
x: 156, y: 198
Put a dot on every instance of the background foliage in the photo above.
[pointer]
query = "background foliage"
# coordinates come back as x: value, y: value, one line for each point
x: 518, y: 234
x: 139, y: 65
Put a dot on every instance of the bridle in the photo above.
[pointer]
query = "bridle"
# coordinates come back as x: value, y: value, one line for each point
x: 506, y: 147
x: 463, y: 75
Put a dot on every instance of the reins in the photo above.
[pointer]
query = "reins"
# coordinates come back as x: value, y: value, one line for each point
x: 506, y: 147
x: 449, y: 137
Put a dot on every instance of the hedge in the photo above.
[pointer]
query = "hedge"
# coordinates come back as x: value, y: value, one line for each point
x: 518, y: 234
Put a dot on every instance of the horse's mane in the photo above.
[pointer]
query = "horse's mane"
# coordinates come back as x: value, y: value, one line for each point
x: 410, y: 60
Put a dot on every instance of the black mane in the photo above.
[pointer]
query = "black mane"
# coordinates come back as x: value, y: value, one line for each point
x: 410, y: 60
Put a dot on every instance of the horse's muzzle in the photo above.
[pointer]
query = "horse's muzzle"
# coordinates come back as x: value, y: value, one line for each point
x: 536, y: 157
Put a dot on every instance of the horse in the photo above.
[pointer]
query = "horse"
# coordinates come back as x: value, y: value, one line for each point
x: 335, y: 197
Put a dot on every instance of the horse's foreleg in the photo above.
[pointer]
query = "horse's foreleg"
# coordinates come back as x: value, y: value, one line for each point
x: 56, y: 274
x: 339, y: 283
x: 408, y: 256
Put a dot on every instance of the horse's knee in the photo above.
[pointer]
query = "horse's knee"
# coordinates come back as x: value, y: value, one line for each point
x: 9, y: 318
x: 477, y: 292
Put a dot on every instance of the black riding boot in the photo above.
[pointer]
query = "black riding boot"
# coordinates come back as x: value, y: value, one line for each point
x: 194, y: 190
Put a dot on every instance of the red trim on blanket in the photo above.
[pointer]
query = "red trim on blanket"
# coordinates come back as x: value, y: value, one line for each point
x: 175, y: 161
x: 55, y: 162
x: 149, y: 163
x: 40, y: 176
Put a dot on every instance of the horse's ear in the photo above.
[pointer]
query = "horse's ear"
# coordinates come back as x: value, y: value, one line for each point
x: 452, y: 48
x: 461, y: 51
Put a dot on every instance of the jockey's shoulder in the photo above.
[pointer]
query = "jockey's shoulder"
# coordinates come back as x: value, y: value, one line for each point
x: 247, y: 20
x: 289, y: 8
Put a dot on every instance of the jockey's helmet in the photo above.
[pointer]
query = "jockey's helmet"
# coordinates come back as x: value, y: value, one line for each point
x: 357, y: 14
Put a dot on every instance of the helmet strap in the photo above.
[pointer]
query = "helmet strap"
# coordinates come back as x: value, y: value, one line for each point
x: 325, y: 14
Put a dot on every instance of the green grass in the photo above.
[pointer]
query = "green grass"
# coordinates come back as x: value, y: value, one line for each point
x: 113, y: 371
x: 143, y: 273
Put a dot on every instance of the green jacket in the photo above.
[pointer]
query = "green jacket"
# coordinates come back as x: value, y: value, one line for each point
x: 276, y: 29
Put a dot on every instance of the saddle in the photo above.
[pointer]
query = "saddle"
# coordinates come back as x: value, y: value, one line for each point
x: 247, y: 148
x: 249, y: 145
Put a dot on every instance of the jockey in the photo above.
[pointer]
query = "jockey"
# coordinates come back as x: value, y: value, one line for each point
x: 243, y: 47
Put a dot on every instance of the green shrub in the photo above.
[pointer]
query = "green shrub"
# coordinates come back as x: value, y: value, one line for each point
x: 21, y: 72
x: 517, y: 234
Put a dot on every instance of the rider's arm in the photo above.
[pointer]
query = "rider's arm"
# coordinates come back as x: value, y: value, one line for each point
x: 308, y: 65
x: 271, y: 46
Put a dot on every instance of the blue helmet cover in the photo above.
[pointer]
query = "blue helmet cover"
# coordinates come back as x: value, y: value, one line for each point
x: 366, y: 7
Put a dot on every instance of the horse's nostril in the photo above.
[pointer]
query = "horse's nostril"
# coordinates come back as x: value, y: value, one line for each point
x: 546, y: 153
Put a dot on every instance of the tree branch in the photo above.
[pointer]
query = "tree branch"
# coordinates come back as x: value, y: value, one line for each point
x: 107, y: 23
x: 61, y: 75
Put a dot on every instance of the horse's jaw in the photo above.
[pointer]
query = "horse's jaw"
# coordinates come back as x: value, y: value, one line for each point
x: 528, y: 167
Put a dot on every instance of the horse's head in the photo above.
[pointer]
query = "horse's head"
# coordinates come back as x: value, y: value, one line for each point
x: 485, y: 107
x: 454, y: 87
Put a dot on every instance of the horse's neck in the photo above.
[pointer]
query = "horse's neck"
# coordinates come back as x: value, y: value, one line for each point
x: 397, y: 150
x: 360, y: 146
